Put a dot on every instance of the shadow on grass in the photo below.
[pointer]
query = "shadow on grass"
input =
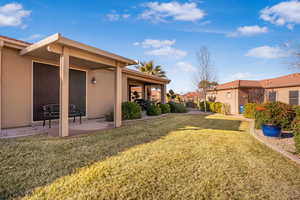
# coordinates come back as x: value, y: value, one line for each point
x: 27, y: 163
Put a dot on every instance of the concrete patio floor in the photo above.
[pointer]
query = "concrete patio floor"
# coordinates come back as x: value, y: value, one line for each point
x: 76, y: 128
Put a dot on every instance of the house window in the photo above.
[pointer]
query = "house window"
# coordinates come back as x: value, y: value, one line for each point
x: 294, y: 97
x: 272, y: 96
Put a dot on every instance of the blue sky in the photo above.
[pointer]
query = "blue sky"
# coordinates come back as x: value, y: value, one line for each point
x: 245, y: 38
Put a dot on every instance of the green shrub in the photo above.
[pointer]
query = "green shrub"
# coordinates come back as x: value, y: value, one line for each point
x: 211, y: 106
x: 260, y: 118
x: 131, y: 110
x: 249, y: 110
x: 215, y: 107
x: 177, y: 107
x: 297, y: 111
x: 153, y: 110
x: 165, y: 108
x: 218, y: 107
x: 202, y: 106
x: 296, y: 131
x: 281, y: 114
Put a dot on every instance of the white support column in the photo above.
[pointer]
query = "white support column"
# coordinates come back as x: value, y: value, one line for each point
x: 64, y: 93
x: 118, y: 97
x: 163, y: 94
x: 1, y: 47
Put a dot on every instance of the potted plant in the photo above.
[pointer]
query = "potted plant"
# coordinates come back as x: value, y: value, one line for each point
x: 274, y: 116
x: 267, y: 121
x: 271, y: 127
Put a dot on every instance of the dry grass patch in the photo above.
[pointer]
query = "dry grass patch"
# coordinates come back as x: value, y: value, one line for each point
x: 177, y: 157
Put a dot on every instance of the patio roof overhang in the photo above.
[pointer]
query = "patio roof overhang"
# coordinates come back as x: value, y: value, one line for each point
x: 80, y: 54
x: 140, y: 76
x: 69, y: 52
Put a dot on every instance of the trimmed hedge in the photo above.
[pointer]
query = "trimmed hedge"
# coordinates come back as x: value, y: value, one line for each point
x: 215, y: 107
x: 249, y: 110
x: 177, y: 107
x: 131, y: 110
x: 153, y: 110
x: 165, y: 108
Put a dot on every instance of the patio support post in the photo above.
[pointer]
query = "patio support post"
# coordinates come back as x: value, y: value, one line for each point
x: 64, y: 93
x: 1, y: 46
x: 118, y: 97
x: 163, y: 94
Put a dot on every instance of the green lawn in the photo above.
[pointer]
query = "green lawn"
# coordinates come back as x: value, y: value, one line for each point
x: 176, y: 157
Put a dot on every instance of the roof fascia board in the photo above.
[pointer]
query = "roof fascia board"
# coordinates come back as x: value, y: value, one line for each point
x: 44, y: 42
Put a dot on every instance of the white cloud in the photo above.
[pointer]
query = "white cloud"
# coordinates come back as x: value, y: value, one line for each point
x: 285, y: 13
x: 185, y: 66
x: 114, y: 16
x: 161, y: 48
x: 167, y: 51
x: 249, y: 31
x: 160, y: 12
x: 267, y: 52
x: 12, y: 14
x: 33, y: 37
x: 150, y: 43
x: 243, y: 76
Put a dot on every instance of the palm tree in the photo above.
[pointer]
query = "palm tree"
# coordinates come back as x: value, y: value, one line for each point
x: 150, y: 69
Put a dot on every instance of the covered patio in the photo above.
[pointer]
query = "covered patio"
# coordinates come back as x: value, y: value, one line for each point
x: 146, y: 87
x: 70, y: 53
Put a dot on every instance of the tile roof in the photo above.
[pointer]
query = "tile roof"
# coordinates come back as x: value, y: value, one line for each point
x: 282, y: 81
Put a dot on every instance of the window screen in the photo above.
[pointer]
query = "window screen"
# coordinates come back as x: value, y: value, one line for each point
x: 294, y: 97
x: 272, y: 96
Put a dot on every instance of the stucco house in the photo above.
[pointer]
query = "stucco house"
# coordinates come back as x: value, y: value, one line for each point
x: 236, y: 93
x: 58, y: 70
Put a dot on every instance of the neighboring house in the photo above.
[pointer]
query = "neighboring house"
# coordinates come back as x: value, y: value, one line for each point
x: 192, y: 97
x: 57, y: 70
x: 285, y: 89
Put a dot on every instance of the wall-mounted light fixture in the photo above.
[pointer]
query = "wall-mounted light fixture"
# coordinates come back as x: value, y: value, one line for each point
x: 93, y: 81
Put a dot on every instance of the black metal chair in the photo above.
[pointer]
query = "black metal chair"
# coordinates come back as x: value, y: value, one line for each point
x: 51, y: 111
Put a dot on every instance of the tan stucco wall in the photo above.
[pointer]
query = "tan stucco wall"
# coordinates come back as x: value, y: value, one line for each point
x: 223, y: 96
x: 100, y: 95
x: 16, y: 89
x: 282, y: 94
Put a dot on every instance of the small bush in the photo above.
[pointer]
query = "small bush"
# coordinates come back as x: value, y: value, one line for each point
x: 202, y: 106
x: 177, y: 107
x: 218, y: 107
x: 226, y: 109
x: 165, y: 108
x: 131, y: 110
x: 297, y: 111
x: 296, y: 128
x: 249, y: 110
x: 260, y: 118
x: 211, y: 106
x: 296, y: 131
x: 153, y: 110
